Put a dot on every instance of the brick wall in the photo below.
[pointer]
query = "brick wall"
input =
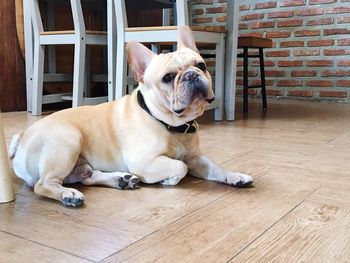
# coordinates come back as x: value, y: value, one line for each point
x: 311, y: 58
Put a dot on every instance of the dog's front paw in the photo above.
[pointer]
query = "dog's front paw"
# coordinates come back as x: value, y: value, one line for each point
x: 72, y: 197
x: 127, y: 181
x: 239, y: 180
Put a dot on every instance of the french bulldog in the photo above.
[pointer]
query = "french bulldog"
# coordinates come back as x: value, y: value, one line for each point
x: 149, y: 136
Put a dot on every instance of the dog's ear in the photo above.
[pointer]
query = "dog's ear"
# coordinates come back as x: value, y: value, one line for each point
x: 185, y: 38
x: 139, y: 57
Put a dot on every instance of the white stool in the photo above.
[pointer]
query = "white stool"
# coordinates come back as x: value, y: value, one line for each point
x: 79, y: 37
x: 168, y: 34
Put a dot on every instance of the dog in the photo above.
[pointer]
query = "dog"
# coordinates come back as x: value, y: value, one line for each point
x: 149, y: 136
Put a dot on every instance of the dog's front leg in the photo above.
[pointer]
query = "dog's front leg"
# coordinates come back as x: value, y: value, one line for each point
x: 165, y: 170
x: 202, y: 167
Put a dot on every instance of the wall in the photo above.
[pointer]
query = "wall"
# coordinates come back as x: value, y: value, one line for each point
x: 12, y: 78
x: 311, y: 58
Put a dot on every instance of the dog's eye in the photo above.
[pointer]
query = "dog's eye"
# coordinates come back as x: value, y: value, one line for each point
x: 202, y: 66
x: 168, y: 77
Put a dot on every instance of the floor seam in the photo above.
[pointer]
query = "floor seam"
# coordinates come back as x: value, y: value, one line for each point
x: 38, y: 243
x: 275, y: 223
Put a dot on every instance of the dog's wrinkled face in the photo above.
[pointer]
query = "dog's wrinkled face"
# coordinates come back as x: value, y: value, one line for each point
x: 176, y: 86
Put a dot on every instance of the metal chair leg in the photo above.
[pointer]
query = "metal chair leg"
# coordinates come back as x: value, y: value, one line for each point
x: 262, y: 76
x: 245, y: 80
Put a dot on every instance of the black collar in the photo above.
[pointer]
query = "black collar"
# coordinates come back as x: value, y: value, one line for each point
x: 188, y: 127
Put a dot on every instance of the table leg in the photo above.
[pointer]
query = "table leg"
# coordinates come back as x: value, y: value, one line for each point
x: 111, y: 48
x: 231, y: 58
x: 29, y: 43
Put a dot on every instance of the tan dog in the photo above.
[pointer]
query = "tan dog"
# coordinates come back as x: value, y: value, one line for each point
x: 149, y: 135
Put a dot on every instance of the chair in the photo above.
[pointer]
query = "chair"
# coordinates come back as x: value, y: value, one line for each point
x: 255, y: 43
x: 168, y: 34
x: 79, y: 37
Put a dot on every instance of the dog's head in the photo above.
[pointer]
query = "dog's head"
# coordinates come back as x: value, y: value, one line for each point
x: 176, y: 86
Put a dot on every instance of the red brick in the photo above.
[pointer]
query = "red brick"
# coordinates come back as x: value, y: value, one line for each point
x: 292, y: 44
x: 319, y: 83
x: 343, y: 19
x: 239, y: 62
x: 344, y: 63
x: 338, y: 10
x: 198, y: 11
x: 280, y: 14
x: 256, y: 82
x: 203, y: 19
x: 328, y: 93
x: 273, y: 92
x: 310, y: 12
x: 319, y: 63
x: 252, y: 16
x: 277, y: 53
x: 322, y: 21
x: 287, y: 23
x: 278, y: 34
x: 268, y: 24
x: 203, y: 1
x: 250, y: 91
x: 343, y: 83
x: 336, y: 52
x: 344, y: 42
x: 215, y: 10
x: 303, y: 73
x: 251, y: 73
x: 289, y: 82
x: 335, y: 73
x: 317, y: 2
x: 253, y: 34
x: 320, y: 43
x: 336, y: 31
x: 244, y: 7
x: 267, y: 63
x: 275, y: 73
x: 300, y: 93
x: 303, y: 33
x: 224, y: 19
x: 241, y: 25
x: 290, y: 63
x: 265, y: 5
x: 286, y: 3
x: 308, y: 52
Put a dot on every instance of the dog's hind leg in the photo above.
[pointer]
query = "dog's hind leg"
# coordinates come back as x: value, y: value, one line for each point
x: 119, y: 180
x: 55, y: 164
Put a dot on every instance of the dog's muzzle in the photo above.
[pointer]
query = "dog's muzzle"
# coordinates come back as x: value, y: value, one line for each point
x: 198, y: 86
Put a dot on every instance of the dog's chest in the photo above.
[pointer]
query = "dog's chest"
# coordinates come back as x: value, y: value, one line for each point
x: 181, y: 147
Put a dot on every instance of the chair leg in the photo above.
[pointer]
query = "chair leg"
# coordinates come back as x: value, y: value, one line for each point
x: 38, y: 72
x: 219, y: 78
x: 121, y: 70
x: 87, y: 75
x: 245, y: 80
x: 262, y: 76
x: 78, y: 75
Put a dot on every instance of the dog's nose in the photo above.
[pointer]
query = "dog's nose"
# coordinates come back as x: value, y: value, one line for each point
x: 190, y: 76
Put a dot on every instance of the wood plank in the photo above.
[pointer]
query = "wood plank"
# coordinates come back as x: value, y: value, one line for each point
x: 15, y: 249
x: 222, y: 228
x: 310, y: 233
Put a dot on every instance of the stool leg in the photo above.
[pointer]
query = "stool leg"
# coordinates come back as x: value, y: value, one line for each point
x: 6, y: 189
x: 245, y: 80
x: 262, y: 76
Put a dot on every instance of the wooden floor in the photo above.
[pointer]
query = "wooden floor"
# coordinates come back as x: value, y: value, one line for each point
x: 297, y: 211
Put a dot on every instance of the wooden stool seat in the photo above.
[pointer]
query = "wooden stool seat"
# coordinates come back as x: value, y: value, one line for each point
x: 160, y: 28
x: 256, y: 43
x: 72, y: 32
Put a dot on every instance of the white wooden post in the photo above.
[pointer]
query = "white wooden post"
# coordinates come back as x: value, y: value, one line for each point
x: 6, y: 189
